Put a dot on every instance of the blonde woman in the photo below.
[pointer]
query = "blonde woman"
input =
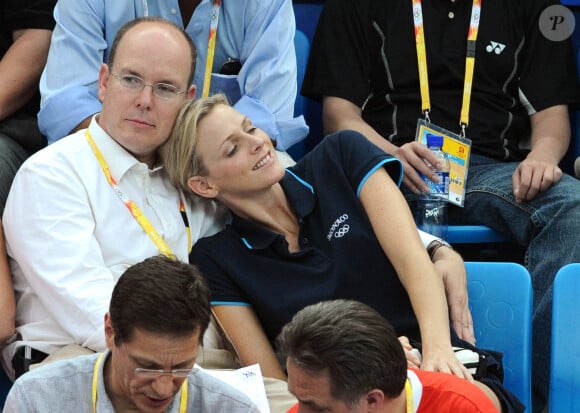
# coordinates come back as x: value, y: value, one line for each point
x: 335, y: 225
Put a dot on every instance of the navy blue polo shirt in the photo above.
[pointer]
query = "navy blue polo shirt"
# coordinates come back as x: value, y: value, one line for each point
x: 339, y: 257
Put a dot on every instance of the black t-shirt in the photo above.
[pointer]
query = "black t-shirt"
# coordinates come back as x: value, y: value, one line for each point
x: 24, y: 14
x: 364, y: 51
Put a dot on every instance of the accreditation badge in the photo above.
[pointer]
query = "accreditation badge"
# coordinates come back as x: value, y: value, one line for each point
x: 458, y: 149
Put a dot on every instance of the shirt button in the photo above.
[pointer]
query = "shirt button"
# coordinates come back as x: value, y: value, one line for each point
x: 173, y: 11
x: 451, y: 15
x: 305, y: 240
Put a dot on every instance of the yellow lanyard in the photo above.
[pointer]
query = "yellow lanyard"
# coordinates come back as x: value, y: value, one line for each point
x: 469, y: 60
x: 134, y: 209
x: 182, y: 399
x: 409, y: 397
x: 213, y: 26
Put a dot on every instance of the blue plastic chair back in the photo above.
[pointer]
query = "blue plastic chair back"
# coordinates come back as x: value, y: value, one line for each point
x: 470, y: 234
x: 576, y: 128
x: 302, y: 47
x: 565, y: 365
x: 500, y: 298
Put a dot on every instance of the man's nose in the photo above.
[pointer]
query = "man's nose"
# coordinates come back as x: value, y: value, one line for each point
x: 145, y: 97
x: 164, y: 385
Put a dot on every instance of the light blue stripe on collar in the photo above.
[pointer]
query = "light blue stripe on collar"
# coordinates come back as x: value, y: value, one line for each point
x: 240, y: 303
x: 247, y: 243
x: 302, y: 181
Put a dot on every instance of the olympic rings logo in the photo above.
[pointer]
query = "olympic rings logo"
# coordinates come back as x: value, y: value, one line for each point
x: 338, y: 230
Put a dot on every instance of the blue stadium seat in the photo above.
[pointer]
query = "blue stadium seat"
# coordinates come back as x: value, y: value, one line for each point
x: 500, y: 298
x: 567, y: 163
x: 302, y: 47
x: 575, y: 144
x: 473, y: 234
x: 5, y: 385
x: 565, y: 365
x: 307, y: 13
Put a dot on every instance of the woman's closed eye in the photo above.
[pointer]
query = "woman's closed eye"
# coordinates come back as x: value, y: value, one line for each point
x: 232, y: 150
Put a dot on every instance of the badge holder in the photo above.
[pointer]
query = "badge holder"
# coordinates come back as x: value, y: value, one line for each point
x: 458, y: 149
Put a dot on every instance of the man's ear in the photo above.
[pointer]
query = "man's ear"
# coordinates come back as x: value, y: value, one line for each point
x: 191, y: 92
x: 103, y: 81
x: 109, y: 332
x: 200, y: 186
x: 375, y: 400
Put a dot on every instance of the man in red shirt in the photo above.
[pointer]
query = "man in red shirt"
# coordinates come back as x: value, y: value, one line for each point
x: 342, y: 356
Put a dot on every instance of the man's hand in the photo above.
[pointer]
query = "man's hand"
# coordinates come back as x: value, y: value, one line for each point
x: 413, y: 156
x: 549, y: 142
x: 451, y: 268
x: 533, y: 176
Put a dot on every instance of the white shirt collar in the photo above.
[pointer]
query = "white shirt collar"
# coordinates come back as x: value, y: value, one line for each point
x: 417, y: 387
x: 118, y: 158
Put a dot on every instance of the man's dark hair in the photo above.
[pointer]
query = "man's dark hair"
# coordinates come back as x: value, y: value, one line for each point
x: 349, y: 341
x: 129, y: 25
x: 160, y: 295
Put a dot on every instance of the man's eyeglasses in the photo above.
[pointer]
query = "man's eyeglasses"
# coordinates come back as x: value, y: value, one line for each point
x: 153, y: 374
x: 136, y: 84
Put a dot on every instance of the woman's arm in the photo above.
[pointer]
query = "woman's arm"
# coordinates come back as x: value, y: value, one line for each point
x: 243, y: 328
x: 7, y: 301
x: 451, y: 268
x: 389, y: 214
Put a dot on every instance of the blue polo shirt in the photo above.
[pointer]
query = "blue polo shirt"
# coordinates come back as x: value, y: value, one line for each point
x: 340, y: 257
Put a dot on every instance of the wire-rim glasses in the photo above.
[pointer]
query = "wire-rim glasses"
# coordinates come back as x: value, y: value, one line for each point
x: 135, y: 84
x: 152, y: 374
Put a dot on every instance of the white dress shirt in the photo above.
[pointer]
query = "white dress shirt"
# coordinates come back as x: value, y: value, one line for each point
x: 69, y: 237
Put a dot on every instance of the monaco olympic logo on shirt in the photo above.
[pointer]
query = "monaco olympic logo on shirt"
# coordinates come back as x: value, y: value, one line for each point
x: 339, y: 228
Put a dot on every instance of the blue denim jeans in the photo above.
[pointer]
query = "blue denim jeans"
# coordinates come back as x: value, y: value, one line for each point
x: 548, y: 226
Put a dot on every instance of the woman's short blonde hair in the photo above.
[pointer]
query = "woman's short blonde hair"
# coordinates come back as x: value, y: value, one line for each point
x: 178, y: 153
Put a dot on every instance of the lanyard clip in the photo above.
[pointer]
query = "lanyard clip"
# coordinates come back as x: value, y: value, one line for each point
x: 463, y: 126
x: 427, y: 119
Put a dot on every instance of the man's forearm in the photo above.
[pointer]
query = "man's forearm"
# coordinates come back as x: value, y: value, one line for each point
x: 20, y: 69
x: 550, y: 137
x: 340, y: 114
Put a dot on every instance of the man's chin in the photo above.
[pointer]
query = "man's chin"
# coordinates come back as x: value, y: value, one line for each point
x: 149, y: 405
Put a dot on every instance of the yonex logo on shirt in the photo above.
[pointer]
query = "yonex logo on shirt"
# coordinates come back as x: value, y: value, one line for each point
x: 339, y: 228
x: 495, y: 47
